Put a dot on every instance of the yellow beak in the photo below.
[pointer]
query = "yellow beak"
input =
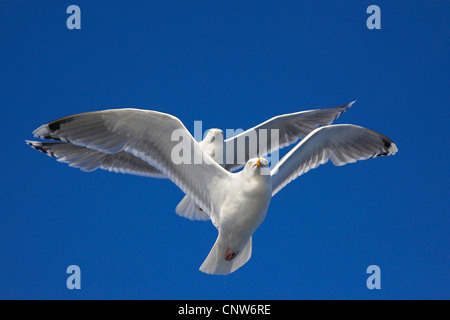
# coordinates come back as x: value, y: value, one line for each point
x: 258, y: 162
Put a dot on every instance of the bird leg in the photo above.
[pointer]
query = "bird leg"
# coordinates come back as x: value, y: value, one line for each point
x: 229, y: 255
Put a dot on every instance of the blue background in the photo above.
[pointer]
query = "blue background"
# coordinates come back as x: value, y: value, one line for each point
x: 232, y: 65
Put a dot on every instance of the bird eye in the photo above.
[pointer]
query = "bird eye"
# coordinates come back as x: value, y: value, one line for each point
x: 250, y: 163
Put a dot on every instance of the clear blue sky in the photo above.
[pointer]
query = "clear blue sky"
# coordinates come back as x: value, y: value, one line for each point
x: 231, y: 65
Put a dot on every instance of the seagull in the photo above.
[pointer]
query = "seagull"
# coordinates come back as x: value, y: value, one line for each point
x: 292, y: 127
x: 236, y: 202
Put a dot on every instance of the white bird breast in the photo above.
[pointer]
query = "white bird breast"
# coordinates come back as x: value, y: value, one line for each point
x: 244, y: 209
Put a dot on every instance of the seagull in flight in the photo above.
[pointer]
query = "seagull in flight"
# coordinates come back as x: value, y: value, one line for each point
x: 140, y: 142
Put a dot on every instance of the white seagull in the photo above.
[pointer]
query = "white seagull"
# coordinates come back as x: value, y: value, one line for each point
x: 236, y: 203
x: 291, y: 127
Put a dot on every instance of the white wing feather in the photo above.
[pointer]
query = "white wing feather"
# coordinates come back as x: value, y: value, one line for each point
x: 148, y: 136
x: 89, y: 160
x: 292, y: 127
x: 340, y: 143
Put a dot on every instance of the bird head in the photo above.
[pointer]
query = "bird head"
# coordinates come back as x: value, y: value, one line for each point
x: 214, y: 136
x: 258, y: 166
x: 213, y: 144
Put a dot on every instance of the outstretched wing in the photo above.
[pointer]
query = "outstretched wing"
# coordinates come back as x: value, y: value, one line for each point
x: 341, y: 143
x: 89, y: 160
x: 291, y: 127
x: 151, y: 136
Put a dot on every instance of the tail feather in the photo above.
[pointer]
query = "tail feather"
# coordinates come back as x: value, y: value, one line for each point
x: 215, y: 263
x: 188, y: 209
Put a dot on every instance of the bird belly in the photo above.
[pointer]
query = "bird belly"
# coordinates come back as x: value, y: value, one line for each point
x: 241, y: 216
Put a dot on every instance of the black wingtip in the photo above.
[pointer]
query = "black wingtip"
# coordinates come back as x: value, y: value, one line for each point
x: 49, y: 137
x: 382, y: 154
x: 37, y: 145
x: 389, y: 149
x: 54, y: 125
